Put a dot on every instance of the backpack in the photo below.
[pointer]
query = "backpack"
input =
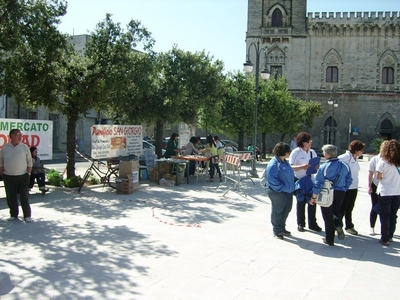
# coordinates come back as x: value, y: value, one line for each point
x: 325, y: 197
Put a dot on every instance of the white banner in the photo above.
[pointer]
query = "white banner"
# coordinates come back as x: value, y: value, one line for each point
x: 116, y: 140
x: 35, y: 133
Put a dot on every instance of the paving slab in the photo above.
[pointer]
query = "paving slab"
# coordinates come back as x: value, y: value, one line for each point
x: 185, y: 242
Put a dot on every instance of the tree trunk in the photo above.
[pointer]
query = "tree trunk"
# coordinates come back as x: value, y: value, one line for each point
x: 241, y: 141
x: 283, y: 137
x: 264, y: 143
x: 71, y: 145
x: 159, y: 137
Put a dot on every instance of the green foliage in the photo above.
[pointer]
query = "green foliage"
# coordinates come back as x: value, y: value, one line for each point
x: 72, y: 182
x: 54, y: 178
x: 376, y: 143
x: 93, y: 179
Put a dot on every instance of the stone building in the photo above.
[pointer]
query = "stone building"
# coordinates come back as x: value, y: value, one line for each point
x: 349, y: 58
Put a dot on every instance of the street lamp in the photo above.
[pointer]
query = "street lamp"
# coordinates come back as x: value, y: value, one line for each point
x: 248, y: 68
x: 334, y: 104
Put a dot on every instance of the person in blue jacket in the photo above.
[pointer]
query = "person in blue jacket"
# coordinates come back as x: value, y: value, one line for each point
x: 339, y: 174
x: 280, y: 187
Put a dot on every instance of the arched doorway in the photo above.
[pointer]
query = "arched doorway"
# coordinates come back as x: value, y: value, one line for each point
x: 386, y: 129
x: 330, y: 128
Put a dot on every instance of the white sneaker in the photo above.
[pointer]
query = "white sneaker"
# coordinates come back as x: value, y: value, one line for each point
x: 28, y: 220
x: 11, y: 219
x: 372, y: 231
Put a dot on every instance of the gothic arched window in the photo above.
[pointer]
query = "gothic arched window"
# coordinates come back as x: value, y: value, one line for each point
x: 387, y: 75
x: 277, y: 20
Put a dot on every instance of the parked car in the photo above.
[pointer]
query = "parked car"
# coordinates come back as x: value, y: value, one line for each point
x: 226, y: 142
x: 163, y: 143
x: 148, y: 145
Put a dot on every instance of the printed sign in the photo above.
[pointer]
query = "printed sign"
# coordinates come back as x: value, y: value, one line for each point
x: 35, y: 133
x: 116, y: 140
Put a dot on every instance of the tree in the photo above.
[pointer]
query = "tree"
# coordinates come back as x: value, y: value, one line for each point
x: 238, y: 106
x: 99, y: 77
x: 181, y: 83
x: 30, y: 50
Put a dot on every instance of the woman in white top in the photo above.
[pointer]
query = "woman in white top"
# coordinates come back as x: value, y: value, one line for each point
x: 299, y: 160
x: 388, y: 174
x: 356, y: 149
x: 372, y: 186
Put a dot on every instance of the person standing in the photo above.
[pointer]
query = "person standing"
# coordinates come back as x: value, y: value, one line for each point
x: 293, y: 143
x: 211, y: 147
x: 15, y: 168
x: 172, y: 146
x: 351, y: 156
x: 299, y: 160
x: 339, y: 174
x: 388, y: 174
x: 190, y: 149
x: 372, y: 186
x: 279, y: 187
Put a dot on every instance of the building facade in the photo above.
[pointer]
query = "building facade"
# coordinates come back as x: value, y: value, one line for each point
x: 347, y: 61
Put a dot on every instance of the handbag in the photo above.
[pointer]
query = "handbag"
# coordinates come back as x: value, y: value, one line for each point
x: 325, y: 197
x: 215, y: 159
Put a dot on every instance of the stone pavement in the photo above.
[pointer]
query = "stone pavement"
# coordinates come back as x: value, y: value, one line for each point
x: 185, y: 242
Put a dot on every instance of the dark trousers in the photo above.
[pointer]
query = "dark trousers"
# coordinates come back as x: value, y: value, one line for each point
x: 347, y: 207
x: 14, y: 185
x: 388, y: 206
x: 212, y: 170
x: 301, y: 214
x: 281, y: 205
x: 332, y: 216
x: 374, y: 201
x: 40, y: 179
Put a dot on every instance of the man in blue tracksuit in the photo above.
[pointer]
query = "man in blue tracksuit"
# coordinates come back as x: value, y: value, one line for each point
x: 339, y: 174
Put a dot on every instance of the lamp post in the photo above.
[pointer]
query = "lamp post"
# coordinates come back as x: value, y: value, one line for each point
x: 248, y: 68
x: 334, y: 104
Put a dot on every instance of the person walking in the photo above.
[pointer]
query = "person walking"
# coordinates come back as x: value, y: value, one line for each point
x: 299, y: 160
x: 15, y: 168
x: 339, y: 174
x: 279, y: 187
x: 351, y: 156
x: 388, y: 174
x: 372, y: 186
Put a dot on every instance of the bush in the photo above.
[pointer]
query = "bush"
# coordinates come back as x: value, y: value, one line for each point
x: 73, y: 182
x: 376, y: 143
x: 54, y: 178
x: 93, y: 180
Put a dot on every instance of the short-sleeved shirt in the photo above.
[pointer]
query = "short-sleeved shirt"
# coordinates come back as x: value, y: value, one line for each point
x: 300, y: 157
x: 372, y: 168
x: 390, y: 182
x: 15, y: 159
x: 354, y: 167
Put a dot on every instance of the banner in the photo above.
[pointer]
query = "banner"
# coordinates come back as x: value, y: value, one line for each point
x: 116, y: 140
x: 35, y: 133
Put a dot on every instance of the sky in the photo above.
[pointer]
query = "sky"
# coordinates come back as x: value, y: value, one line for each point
x: 216, y: 26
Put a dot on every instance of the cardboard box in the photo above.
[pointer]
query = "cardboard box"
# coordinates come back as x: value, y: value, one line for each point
x: 125, y: 185
x: 165, y: 182
x: 127, y: 167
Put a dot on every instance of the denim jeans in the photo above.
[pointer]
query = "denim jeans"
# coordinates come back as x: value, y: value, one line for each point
x: 388, y: 215
x: 281, y: 205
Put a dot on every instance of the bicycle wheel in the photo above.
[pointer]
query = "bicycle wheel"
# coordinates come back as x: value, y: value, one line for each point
x: 112, y: 178
x: 85, y: 177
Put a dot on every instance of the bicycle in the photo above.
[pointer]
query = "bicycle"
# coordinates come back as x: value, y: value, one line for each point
x: 97, y: 167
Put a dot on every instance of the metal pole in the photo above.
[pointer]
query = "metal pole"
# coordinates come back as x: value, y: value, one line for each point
x: 254, y: 169
x: 333, y: 117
